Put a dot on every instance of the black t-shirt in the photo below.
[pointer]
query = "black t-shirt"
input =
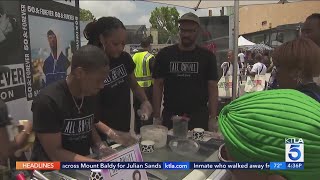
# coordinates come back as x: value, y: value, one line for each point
x: 115, y: 96
x: 311, y: 89
x: 186, y: 75
x: 54, y: 111
x: 4, y: 119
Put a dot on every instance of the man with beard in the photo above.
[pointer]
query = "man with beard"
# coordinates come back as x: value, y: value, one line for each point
x: 188, y: 75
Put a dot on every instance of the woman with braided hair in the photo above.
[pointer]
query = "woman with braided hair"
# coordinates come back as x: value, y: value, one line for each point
x: 109, y: 34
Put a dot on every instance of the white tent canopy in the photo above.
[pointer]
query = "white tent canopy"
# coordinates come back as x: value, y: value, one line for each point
x: 204, y: 4
x: 243, y: 42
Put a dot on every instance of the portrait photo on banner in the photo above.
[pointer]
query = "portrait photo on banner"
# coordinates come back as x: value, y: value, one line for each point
x: 10, y: 33
x: 52, y: 45
x: 12, y: 82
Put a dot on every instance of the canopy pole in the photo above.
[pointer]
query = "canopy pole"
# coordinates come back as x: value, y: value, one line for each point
x: 235, y: 49
x: 197, y: 7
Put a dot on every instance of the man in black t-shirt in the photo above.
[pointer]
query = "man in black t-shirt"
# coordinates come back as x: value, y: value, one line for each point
x: 64, y: 113
x: 188, y: 76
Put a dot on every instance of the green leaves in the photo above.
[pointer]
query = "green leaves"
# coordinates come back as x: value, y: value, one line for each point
x: 165, y: 20
x: 86, y: 15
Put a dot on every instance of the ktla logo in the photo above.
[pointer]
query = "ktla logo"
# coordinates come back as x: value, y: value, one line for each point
x: 294, y: 150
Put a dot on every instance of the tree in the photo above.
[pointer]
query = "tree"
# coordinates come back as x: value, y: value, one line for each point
x: 86, y: 15
x: 165, y: 20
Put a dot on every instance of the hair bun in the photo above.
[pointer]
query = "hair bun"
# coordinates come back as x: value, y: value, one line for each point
x: 90, y: 30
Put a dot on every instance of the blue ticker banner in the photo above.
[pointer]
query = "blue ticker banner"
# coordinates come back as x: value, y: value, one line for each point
x: 184, y: 165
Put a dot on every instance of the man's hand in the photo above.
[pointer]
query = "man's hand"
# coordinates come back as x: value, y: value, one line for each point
x: 145, y: 110
x: 123, y: 138
x: 101, y: 150
x: 213, y: 125
x: 27, y: 126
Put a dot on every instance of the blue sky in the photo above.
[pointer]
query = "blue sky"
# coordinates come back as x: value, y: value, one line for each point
x: 132, y: 12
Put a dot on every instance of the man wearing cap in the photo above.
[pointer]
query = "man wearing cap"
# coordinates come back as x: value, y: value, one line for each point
x: 144, y: 61
x: 188, y: 75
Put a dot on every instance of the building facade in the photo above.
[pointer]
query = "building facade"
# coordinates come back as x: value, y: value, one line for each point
x: 263, y: 17
x: 274, y: 24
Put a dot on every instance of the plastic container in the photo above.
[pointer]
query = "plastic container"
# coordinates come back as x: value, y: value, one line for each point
x: 184, y: 147
x: 180, y: 126
x: 156, y: 133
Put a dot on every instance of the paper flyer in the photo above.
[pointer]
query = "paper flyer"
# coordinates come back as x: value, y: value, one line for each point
x: 130, y: 154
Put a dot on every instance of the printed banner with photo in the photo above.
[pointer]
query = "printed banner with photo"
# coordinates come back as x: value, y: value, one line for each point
x: 50, y: 36
x: 51, y: 44
x: 130, y: 154
x: 12, y: 77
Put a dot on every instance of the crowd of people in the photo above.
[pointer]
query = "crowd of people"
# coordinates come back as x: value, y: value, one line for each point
x: 79, y: 113
x: 296, y: 63
x: 262, y: 62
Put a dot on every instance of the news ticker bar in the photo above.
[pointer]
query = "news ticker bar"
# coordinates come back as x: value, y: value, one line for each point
x: 37, y: 165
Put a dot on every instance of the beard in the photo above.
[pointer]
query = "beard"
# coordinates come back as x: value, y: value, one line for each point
x: 186, y: 42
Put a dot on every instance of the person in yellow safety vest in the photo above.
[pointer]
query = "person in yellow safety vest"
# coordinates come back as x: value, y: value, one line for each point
x: 144, y: 61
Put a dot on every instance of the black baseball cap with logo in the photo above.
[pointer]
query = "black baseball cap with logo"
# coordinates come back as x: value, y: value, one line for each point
x: 189, y: 17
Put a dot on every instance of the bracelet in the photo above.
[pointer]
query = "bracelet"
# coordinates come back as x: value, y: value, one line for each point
x: 28, y: 133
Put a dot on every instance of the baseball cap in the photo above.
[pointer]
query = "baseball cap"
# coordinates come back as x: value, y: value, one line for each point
x: 189, y: 17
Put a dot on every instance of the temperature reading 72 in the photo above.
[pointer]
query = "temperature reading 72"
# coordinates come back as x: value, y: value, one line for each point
x: 277, y: 165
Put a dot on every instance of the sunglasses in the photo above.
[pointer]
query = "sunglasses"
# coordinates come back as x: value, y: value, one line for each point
x: 181, y: 30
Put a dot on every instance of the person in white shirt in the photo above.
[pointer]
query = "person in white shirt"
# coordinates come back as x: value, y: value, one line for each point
x: 241, y: 61
x: 258, y: 67
x: 241, y: 56
x: 227, y: 67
